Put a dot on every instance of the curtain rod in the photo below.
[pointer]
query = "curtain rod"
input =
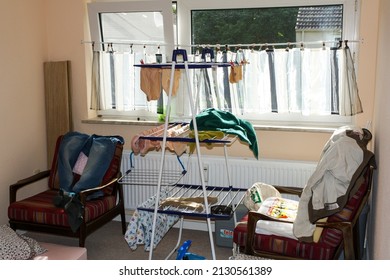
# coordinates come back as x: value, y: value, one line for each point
x: 302, y: 43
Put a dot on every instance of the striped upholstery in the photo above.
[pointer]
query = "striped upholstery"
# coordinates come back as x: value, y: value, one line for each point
x: 324, y: 249
x: 40, y: 209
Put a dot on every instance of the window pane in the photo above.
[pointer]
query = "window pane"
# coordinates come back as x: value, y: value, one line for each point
x: 267, y: 25
x: 131, y: 27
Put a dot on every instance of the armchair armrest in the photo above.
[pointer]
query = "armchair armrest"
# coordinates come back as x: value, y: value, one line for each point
x: 24, y: 182
x: 84, y: 194
x: 345, y: 227
x: 253, y: 218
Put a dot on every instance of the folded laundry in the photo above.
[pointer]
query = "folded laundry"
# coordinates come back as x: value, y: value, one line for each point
x: 193, y: 204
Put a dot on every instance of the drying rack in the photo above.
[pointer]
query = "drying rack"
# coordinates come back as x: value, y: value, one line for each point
x: 168, y: 185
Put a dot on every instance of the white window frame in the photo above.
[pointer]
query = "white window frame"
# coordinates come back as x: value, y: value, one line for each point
x: 163, y: 6
x: 351, y: 9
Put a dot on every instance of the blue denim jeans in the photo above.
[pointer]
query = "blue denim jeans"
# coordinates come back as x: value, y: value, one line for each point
x: 99, y: 150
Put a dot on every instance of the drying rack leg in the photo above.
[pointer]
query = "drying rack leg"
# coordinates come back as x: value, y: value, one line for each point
x: 178, y: 239
x: 211, y: 238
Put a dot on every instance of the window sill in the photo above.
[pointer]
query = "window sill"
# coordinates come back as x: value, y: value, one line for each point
x: 259, y: 127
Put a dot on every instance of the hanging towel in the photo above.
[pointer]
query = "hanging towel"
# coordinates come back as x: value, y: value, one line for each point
x: 151, y: 83
x: 214, y: 119
x: 166, y: 80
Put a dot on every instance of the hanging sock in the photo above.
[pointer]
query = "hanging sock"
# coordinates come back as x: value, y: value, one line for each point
x: 235, y: 74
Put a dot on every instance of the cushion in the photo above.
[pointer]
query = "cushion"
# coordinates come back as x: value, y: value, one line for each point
x: 14, y: 246
x: 281, y: 209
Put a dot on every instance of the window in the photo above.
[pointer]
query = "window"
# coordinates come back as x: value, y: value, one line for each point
x: 148, y: 31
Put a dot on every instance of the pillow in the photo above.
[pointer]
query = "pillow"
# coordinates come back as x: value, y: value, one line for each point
x: 281, y: 209
x: 17, y: 247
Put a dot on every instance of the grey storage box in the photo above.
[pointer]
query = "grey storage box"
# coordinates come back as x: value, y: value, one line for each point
x: 223, y: 234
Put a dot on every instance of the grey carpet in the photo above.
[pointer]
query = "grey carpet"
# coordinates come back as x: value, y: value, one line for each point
x: 108, y: 243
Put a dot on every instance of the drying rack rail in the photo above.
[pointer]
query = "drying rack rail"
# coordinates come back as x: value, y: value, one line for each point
x: 226, y: 200
x: 185, y: 135
x: 136, y: 176
x: 150, y: 177
x: 191, y: 65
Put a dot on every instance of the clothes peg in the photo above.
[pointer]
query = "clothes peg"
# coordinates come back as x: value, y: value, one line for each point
x: 207, y: 54
x: 158, y: 55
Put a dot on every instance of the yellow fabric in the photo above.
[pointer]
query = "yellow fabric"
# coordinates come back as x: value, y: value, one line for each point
x: 204, y: 135
x: 318, y: 231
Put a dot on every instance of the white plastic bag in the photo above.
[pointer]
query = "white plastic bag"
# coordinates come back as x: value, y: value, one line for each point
x: 256, y: 194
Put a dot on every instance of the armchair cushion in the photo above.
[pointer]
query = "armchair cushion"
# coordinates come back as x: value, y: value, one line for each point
x: 40, y: 209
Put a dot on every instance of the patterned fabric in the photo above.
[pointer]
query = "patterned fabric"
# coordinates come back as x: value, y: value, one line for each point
x: 40, y: 209
x: 322, y: 250
x: 14, y: 246
x: 139, y: 230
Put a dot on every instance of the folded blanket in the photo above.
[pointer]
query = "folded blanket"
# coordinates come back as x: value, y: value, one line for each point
x: 190, y: 204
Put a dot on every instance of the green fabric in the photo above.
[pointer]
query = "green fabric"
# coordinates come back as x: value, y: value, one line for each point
x: 214, y: 119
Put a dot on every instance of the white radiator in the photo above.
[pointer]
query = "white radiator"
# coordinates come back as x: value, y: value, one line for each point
x: 243, y: 172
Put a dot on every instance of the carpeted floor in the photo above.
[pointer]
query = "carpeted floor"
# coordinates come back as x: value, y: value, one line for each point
x: 108, y: 243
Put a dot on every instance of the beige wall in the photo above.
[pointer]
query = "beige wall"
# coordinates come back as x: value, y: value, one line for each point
x: 23, y: 50
x: 33, y: 31
x: 380, y: 242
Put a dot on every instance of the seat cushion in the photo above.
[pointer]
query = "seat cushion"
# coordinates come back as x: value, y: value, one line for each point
x: 283, y: 245
x: 40, y: 209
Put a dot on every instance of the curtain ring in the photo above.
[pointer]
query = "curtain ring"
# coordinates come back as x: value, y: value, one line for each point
x: 110, y: 48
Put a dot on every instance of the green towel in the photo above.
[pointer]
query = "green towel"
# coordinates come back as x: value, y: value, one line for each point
x: 214, y: 119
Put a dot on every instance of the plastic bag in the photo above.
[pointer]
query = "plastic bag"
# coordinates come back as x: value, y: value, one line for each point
x: 256, y: 194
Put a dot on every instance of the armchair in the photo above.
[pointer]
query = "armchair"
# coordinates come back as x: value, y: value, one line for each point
x: 99, y: 204
x: 340, y: 232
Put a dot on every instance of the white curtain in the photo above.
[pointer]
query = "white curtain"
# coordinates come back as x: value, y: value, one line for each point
x: 310, y: 81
